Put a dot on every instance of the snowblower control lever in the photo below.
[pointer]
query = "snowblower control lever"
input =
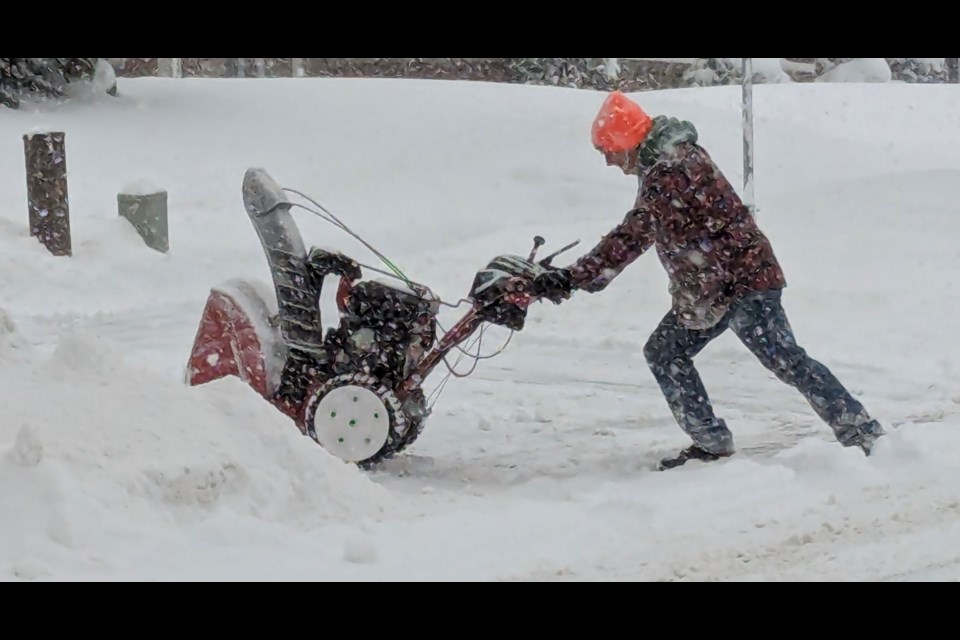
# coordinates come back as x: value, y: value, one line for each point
x: 538, y: 242
x: 546, y: 261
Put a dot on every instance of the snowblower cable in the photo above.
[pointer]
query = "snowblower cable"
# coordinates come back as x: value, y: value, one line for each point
x: 464, y: 352
x: 451, y: 369
x: 435, y: 394
x: 396, y: 272
x: 478, y: 356
x: 443, y: 302
x: 336, y: 221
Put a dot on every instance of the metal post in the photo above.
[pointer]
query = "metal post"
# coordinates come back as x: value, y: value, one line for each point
x: 747, y: 105
x: 170, y: 67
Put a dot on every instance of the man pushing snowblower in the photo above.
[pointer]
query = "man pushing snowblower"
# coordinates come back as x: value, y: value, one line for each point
x: 723, y: 274
x: 357, y: 389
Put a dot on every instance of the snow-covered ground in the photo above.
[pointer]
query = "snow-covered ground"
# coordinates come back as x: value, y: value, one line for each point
x: 537, y: 466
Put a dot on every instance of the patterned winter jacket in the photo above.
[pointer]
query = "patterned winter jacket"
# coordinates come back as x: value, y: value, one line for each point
x: 705, y: 236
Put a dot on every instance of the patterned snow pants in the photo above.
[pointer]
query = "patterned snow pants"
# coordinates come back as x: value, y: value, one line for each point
x: 761, y: 324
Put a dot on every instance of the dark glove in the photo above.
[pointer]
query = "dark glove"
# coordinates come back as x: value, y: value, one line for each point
x: 556, y: 285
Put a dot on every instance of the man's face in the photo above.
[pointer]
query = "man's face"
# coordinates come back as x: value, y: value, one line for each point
x: 626, y: 160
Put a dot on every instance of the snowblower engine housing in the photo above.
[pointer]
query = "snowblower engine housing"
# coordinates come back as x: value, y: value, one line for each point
x: 384, y: 329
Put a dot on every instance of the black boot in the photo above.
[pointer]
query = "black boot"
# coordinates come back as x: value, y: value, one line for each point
x: 863, y: 436
x: 693, y: 452
x: 869, y: 434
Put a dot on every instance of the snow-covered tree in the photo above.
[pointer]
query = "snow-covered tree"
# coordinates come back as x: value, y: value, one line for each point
x: 921, y: 70
x: 705, y: 72
x: 594, y: 73
x: 46, y: 78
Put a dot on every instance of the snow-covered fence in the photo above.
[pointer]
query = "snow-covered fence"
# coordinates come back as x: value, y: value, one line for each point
x: 628, y: 74
x: 146, y: 210
x: 47, y: 201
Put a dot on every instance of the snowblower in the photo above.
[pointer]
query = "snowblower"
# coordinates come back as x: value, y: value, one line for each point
x: 357, y: 390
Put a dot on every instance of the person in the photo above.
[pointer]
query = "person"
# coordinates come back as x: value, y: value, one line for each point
x: 722, y: 273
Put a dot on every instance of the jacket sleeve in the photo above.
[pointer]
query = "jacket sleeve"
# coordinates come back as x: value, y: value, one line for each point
x: 624, y: 244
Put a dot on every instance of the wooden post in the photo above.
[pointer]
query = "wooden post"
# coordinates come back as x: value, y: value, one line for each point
x: 147, y: 212
x: 47, y: 200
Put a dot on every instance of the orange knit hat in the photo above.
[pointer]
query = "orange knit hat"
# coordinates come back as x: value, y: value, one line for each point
x: 620, y: 125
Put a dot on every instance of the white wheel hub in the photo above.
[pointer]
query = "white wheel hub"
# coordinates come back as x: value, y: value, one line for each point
x: 351, y: 423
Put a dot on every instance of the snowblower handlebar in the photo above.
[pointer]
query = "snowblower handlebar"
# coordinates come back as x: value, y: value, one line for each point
x: 501, y: 293
x: 503, y: 290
